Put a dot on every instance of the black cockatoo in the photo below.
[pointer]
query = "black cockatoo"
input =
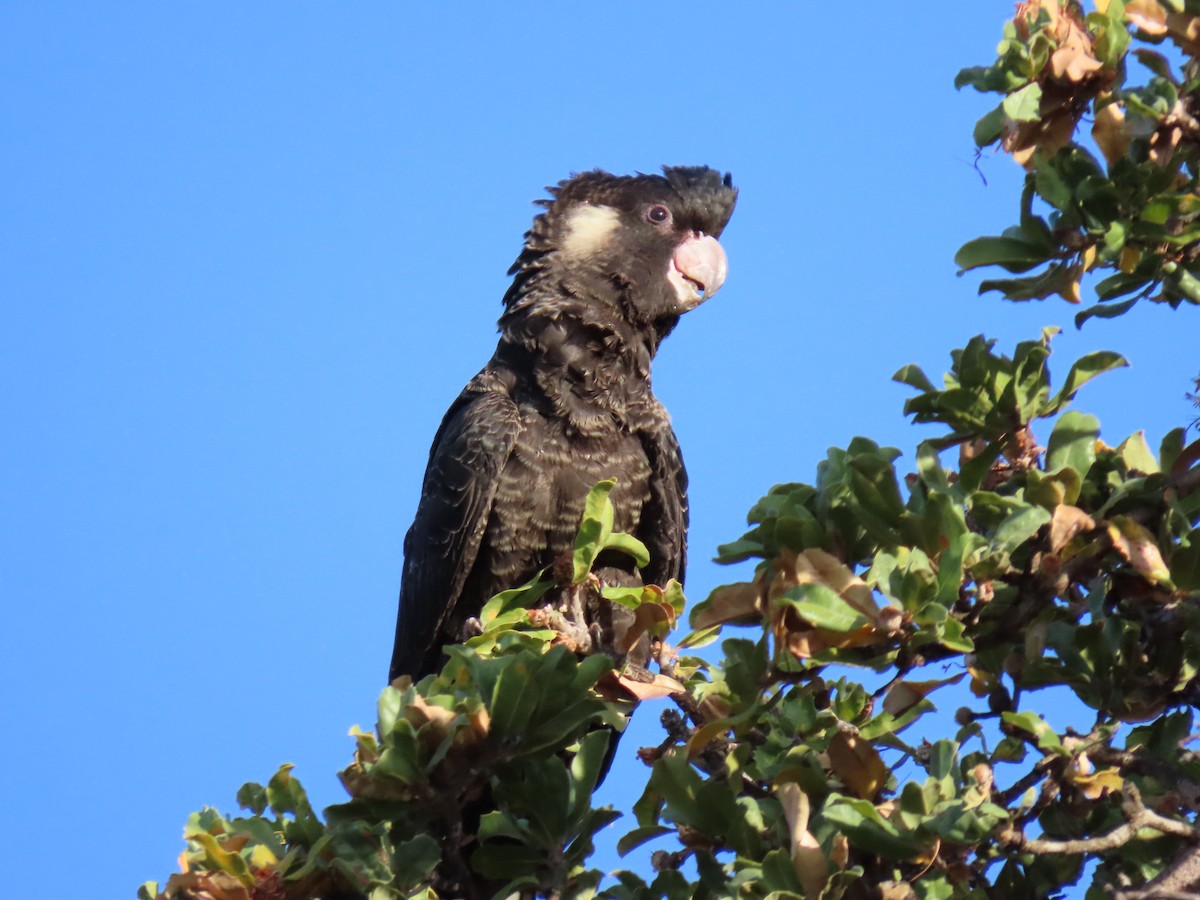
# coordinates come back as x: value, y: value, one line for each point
x: 565, y: 402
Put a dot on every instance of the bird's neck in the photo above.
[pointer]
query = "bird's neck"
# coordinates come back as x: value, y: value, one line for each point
x: 588, y: 365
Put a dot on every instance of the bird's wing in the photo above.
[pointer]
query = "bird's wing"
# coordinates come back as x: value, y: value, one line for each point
x: 664, y: 522
x: 468, y: 454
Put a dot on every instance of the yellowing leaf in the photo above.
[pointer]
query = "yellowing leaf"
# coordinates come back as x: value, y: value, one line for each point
x: 261, y: 857
x: 1137, y: 545
x: 229, y: 863
x: 1130, y: 257
x: 1070, y: 289
x: 1111, y: 135
x: 705, y: 735
x: 983, y: 682
x: 1092, y: 784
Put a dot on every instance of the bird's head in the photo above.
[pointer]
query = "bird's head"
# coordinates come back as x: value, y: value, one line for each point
x: 644, y: 246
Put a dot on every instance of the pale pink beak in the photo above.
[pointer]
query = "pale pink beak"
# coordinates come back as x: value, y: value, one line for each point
x: 698, y: 269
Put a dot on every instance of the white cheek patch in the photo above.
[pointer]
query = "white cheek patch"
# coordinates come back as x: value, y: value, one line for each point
x: 588, y: 228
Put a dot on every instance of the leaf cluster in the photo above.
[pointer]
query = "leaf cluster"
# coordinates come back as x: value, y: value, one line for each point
x: 1069, y: 567
x: 1133, y: 210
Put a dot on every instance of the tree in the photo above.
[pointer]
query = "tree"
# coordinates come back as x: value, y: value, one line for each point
x: 1020, y: 570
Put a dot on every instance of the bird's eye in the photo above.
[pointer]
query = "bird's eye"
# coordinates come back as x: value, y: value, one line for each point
x: 658, y: 214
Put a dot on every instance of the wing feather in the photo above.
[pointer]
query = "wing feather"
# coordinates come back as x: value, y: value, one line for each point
x: 469, y: 452
x: 664, y: 524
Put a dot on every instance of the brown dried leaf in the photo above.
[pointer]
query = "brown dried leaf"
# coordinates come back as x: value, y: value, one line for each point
x: 985, y: 777
x: 808, y: 642
x: 1048, y: 134
x: 807, y: 856
x: 1027, y: 14
x: 1073, y: 59
x: 896, y: 890
x: 1148, y: 15
x: 207, y: 886
x: 728, y: 603
x: 840, y: 854
x: 857, y: 764
x: 434, y: 722
x: 1067, y: 522
x: 1163, y: 144
x: 645, y: 618
x: 1184, y: 29
x: 713, y: 707
x: 659, y: 686
x: 904, y: 695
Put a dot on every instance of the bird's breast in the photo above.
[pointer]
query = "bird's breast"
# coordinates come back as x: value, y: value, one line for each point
x: 543, y: 486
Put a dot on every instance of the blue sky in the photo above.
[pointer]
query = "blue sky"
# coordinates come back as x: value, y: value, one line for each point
x: 250, y: 252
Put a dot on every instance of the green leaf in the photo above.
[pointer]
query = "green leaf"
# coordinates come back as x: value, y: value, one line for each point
x: 415, y: 859
x: 1116, y: 285
x: 639, y: 836
x: 1034, y: 287
x: 1019, y: 527
x: 1185, y: 281
x: 1011, y: 253
x: 1185, y: 563
x: 1137, y: 455
x: 1047, y: 740
x: 521, y: 597
x: 864, y: 826
x: 736, y: 551
x: 913, y: 377
x: 630, y: 597
x: 515, y: 697
x: 630, y: 546
x: 1072, y: 443
x: 1024, y: 105
x: 989, y: 127
x: 594, y: 530
x: 823, y: 607
x: 508, y: 861
x: 1104, y: 311
x: 585, y: 768
x: 252, y: 796
x: 1084, y: 370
